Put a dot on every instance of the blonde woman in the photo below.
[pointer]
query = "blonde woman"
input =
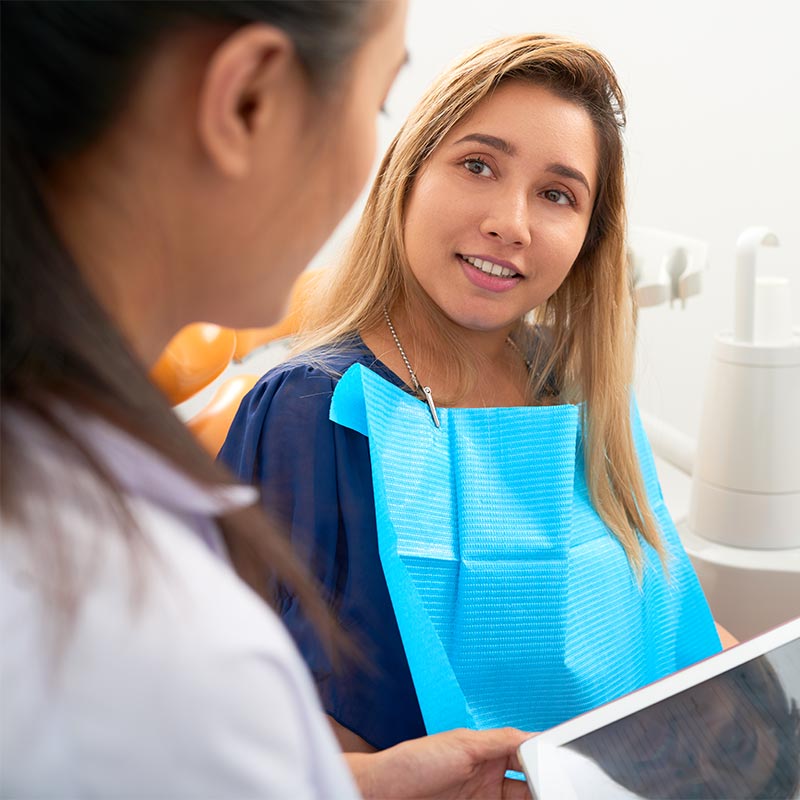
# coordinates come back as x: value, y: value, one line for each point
x: 476, y: 498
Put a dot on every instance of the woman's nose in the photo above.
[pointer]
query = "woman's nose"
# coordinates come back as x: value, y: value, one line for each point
x: 509, y: 221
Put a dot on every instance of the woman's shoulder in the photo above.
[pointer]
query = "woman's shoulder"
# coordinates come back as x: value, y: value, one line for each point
x: 151, y: 641
x: 131, y: 666
x: 285, y: 418
x: 310, y: 377
x: 332, y: 359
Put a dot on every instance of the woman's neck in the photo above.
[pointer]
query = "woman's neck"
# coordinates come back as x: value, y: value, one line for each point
x: 110, y: 237
x: 500, y: 372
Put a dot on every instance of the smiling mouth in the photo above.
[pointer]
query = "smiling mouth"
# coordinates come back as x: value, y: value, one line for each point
x: 489, y: 267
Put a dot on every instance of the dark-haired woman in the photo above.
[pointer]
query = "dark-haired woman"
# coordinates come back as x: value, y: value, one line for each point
x: 164, y: 163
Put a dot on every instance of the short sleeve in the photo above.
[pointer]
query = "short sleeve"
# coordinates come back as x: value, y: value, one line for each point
x: 281, y: 440
x: 174, y: 680
x: 316, y: 477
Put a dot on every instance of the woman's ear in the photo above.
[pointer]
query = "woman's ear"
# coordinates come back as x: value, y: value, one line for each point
x: 240, y: 91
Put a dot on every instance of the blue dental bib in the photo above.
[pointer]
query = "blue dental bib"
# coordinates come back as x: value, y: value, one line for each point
x: 515, y: 603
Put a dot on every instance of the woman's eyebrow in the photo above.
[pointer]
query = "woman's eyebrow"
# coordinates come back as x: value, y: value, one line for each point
x: 490, y: 141
x: 569, y: 172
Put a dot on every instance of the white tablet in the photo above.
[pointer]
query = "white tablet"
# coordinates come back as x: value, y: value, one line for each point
x: 727, y: 727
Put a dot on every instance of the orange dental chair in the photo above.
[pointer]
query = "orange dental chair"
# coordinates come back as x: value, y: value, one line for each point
x: 199, y: 353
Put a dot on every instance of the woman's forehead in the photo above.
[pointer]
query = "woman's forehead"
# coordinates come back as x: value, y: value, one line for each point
x: 516, y: 100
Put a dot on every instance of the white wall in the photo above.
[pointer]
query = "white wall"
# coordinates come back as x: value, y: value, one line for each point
x: 713, y: 141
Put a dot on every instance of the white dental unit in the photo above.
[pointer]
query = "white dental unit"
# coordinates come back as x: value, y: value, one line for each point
x: 739, y: 515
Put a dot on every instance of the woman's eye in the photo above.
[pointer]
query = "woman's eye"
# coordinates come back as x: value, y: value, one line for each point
x: 559, y: 197
x: 477, y: 167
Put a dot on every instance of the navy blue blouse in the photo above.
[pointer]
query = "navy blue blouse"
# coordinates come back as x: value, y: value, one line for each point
x: 316, y: 477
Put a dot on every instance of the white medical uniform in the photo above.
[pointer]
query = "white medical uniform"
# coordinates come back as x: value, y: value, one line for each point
x: 171, y: 679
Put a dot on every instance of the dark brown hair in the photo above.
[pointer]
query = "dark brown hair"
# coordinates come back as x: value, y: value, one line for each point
x: 67, y: 67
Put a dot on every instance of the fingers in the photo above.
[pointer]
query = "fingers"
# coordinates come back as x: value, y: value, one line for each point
x: 513, y: 762
x: 515, y: 790
x: 496, y: 743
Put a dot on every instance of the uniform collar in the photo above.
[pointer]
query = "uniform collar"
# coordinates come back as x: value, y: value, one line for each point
x: 142, y: 472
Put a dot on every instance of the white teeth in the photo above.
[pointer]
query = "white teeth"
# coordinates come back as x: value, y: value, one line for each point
x: 489, y: 268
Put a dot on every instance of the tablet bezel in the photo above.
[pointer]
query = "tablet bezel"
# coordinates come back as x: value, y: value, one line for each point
x: 537, y: 754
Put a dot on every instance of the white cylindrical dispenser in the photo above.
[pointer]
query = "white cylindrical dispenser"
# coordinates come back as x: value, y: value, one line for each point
x: 746, y: 479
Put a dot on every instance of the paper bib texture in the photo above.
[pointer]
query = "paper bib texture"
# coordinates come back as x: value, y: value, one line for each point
x: 516, y: 605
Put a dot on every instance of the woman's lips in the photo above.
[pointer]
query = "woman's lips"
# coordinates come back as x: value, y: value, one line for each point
x: 484, y: 280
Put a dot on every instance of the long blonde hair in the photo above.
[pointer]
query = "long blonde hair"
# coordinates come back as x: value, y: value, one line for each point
x: 589, y: 352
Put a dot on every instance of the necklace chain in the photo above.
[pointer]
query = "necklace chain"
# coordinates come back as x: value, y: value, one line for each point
x: 514, y: 346
x: 414, y: 381
x: 425, y: 390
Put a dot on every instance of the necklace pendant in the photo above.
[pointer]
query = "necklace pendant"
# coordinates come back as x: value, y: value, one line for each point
x: 426, y: 390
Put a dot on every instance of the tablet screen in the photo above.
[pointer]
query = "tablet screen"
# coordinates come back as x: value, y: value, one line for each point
x: 736, y: 735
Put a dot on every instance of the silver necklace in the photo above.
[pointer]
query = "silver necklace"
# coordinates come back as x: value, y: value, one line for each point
x: 514, y: 346
x: 425, y: 391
